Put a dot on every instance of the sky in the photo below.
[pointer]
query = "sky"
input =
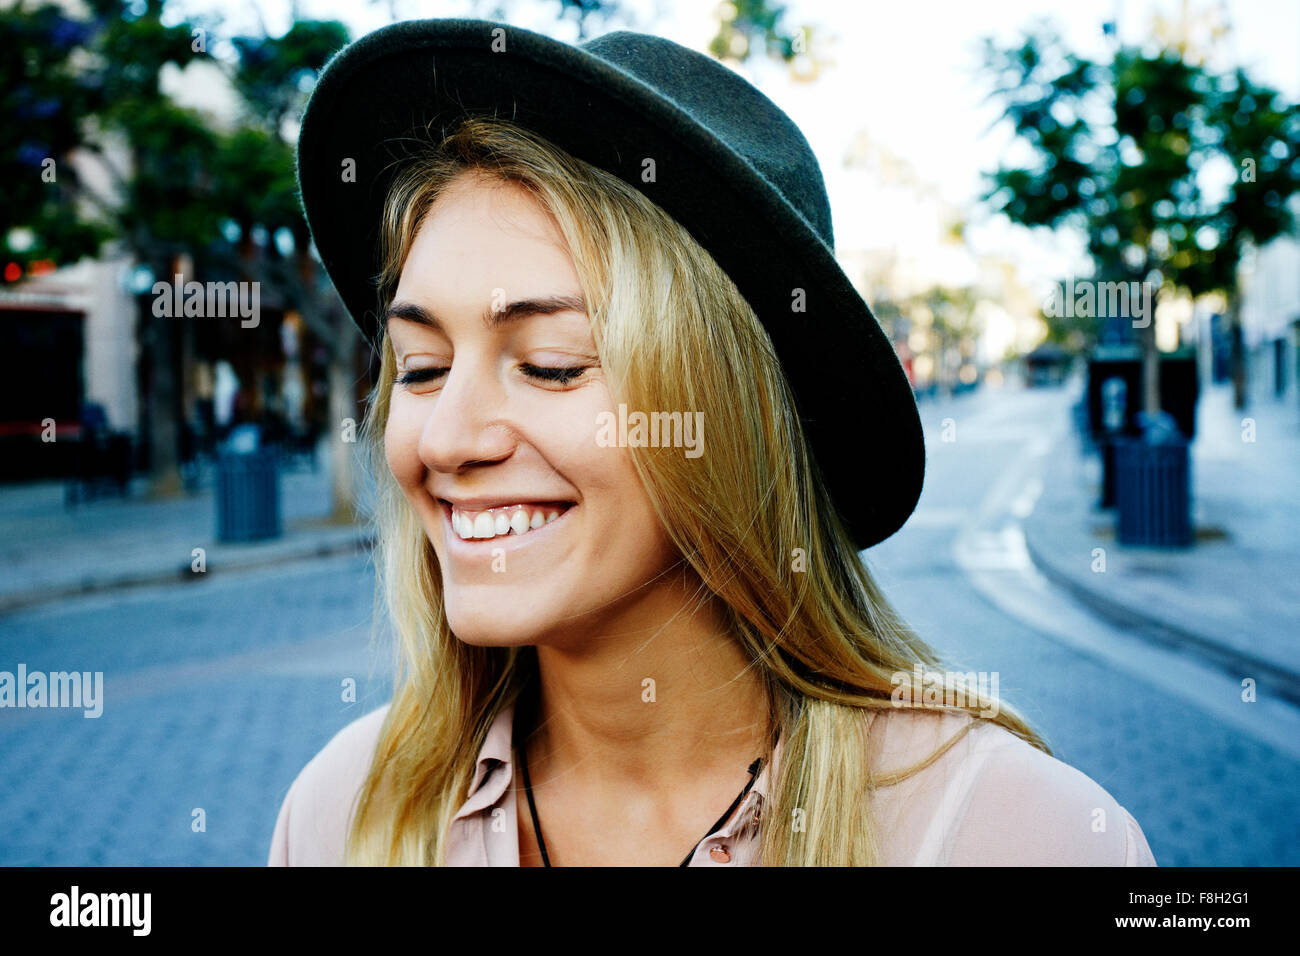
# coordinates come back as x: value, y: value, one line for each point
x: 905, y: 74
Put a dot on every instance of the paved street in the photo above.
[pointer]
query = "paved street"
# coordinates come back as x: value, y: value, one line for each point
x: 1212, y: 780
x: 217, y: 692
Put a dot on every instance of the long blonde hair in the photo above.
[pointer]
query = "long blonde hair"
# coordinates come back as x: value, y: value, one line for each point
x: 751, y: 518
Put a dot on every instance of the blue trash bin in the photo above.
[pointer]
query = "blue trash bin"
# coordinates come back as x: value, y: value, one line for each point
x: 1153, y: 499
x: 248, y: 495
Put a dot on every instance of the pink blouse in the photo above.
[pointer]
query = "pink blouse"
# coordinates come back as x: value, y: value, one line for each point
x: 991, y: 800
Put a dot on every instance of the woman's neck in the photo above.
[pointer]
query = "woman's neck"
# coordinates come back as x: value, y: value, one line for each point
x: 655, y: 699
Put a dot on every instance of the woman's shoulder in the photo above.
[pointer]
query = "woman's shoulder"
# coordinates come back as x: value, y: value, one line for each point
x: 991, y: 799
x: 312, y: 825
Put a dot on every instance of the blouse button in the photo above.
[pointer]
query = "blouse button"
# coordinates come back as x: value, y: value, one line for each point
x: 720, y: 854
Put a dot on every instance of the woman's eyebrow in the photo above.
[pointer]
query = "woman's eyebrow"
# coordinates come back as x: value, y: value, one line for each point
x: 493, y: 318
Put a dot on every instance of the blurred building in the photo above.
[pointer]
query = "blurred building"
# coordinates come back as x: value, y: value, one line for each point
x: 70, y: 344
x: 67, y: 340
x: 1269, y: 313
x: 1270, y: 318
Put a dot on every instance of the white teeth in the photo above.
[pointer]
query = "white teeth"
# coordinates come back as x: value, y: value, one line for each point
x: 495, y: 523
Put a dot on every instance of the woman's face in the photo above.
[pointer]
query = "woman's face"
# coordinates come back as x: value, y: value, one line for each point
x: 542, y: 534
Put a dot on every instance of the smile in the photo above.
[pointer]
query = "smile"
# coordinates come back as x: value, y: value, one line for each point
x: 501, y: 521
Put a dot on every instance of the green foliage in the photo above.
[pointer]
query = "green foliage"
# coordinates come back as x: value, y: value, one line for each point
x: 1044, y: 92
x: 275, y: 73
x: 169, y: 201
x: 43, y: 98
x: 69, y: 85
x: 93, y: 84
x: 1121, y: 151
x: 254, y: 177
x: 755, y: 29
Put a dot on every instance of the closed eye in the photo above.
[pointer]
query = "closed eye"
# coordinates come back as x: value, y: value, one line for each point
x: 561, y: 375
x: 417, y: 375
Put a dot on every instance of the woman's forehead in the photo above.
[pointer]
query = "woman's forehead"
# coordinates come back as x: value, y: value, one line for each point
x: 487, y: 247
x: 491, y: 205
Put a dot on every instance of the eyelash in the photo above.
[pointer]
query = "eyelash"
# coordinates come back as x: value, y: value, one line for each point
x: 561, y: 375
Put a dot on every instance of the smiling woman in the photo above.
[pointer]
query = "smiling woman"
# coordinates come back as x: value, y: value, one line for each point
x: 631, y: 638
x: 490, y: 425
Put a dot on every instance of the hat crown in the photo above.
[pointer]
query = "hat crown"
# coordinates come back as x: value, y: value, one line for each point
x: 737, y: 112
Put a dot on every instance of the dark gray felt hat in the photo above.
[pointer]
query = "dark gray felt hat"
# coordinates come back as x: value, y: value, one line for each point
x: 730, y: 166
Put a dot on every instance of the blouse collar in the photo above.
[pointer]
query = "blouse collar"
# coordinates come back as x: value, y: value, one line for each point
x: 494, y: 769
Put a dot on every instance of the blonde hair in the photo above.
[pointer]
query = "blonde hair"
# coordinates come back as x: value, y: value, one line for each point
x: 828, y: 645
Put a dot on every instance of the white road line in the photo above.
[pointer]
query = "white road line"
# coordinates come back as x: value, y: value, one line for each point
x: 990, y: 549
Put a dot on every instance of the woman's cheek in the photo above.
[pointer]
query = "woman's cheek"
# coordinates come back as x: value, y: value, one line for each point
x: 402, y: 444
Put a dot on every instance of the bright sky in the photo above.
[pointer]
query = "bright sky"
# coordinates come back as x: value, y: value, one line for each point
x: 904, y: 73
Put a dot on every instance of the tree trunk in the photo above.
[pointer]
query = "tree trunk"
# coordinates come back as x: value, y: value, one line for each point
x: 327, y: 317
x: 1150, y: 363
x: 344, y: 425
x: 1237, y: 352
x: 161, y: 398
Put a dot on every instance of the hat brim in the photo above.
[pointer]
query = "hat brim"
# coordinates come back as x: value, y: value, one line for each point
x: 853, y: 397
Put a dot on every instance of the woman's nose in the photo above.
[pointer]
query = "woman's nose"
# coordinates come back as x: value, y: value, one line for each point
x: 466, y: 424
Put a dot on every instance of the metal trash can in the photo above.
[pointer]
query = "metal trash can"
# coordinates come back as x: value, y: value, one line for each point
x: 1153, y: 500
x: 248, y: 495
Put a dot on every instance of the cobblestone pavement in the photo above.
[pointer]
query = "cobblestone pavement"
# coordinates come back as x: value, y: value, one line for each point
x: 216, y: 694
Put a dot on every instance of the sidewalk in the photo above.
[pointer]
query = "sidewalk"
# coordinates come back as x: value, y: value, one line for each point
x: 1234, y: 597
x: 49, y: 551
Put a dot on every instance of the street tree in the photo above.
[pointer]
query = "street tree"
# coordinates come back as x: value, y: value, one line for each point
x: 1125, y: 151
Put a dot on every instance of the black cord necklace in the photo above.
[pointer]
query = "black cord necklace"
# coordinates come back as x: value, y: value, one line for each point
x: 537, y: 826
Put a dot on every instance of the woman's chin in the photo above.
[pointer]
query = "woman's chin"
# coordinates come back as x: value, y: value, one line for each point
x: 491, y: 629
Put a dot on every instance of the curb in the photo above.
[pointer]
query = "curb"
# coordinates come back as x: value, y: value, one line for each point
x: 1280, y: 680
x: 363, y: 540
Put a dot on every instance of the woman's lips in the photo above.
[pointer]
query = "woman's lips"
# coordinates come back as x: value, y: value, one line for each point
x: 517, y: 519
